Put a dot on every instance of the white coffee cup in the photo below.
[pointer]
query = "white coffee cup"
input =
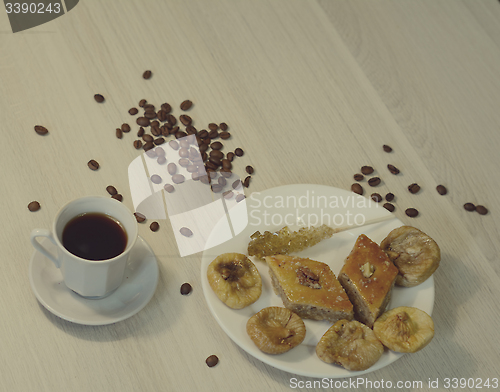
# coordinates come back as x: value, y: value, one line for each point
x: 89, y: 278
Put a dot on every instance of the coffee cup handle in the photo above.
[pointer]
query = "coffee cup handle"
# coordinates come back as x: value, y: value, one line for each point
x: 44, y: 233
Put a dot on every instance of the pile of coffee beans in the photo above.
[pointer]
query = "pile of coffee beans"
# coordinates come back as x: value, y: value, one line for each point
x: 413, y: 188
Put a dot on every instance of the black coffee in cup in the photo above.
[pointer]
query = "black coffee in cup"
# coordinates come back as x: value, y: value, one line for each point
x: 94, y: 236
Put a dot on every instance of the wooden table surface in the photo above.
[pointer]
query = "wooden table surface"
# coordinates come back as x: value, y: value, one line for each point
x: 311, y: 90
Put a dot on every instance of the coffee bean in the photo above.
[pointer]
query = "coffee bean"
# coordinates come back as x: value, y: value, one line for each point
x: 148, y: 146
x: 246, y: 181
x: 41, y: 130
x: 226, y: 173
x: 249, y: 169
x: 166, y: 107
x: 160, y: 152
x: 216, y: 188
x: 230, y: 156
x: 212, y: 360
x: 389, y: 207
x: 125, y: 128
x: 140, y: 132
x: 137, y: 144
x: 226, y: 164
x: 154, y: 226
x: 147, y: 74
x: 156, y: 179
x: 222, y: 181
x: 186, y: 105
x: 387, y: 148
x: 147, y: 138
x: 158, y: 141
x: 240, y: 197
x: 185, y: 119
x: 34, y: 206
x: 469, y: 206
x: 228, y: 194
x: 119, y: 133
x: 111, y: 190
x: 151, y: 153
x: 376, y: 197
x: 183, y: 152
x: 150, y: 114
x: 366, y: 170
x: 172, y: 168
x: 442, y: 189
x: 237, y: 184
x: 169, y: 188
x: 99, y: 98
x: 161, y: 160
x: 142, y: 121
x: 481, y: 209
x: 184, y: 162
x: 180, y: 134
x: 223, y: 126
x: 93, y: 165
x: 357, y: 188
x: 133, y: 111
x: 216, y: 154
x: 238, y: 152
x: 393, y: 169
x: 413, y: 188
x: 186, y: 288
x: 213, y: 126
x: 411, y: 212
x: 139, y: 217
x: 224, y: 135
x: 203, y: 134
x: 142, y: 102
x: 118, y: 197
x: 149, y: 107
x: 178, y: 178
x: 358, y: 177
x: 173, y: 144
x: 186, y: 232
x: 374, y: 181
x: 389, y: 197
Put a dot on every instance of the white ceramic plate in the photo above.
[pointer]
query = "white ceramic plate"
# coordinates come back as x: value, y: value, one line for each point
x: 138, y: 287
x: 298, y: 206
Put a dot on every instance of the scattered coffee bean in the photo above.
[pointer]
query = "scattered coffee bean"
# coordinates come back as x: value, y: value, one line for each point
x: 224, y: 135
x: 393, y: 169
x: 158, y: 141
x: 140, y: 132
x: 41, y: 130
x: 156, y: 179
x: 154, y: 226
x: 166, y: 107
x: 213, y: 126
x: 148, y: 146
x: 389, y: 207
x: 223, y: 126
x: 203, y: 134
x: 142, y: 102
x: 186, y: 288
x: 147, y: 138
x: 358, y: 177
x: 180, y: 134
x: 111, y: 190
x: 133, y: 111
x: 238, y: 152
x: 184, y: 162
x: 411, y: 212
x: 119, y: 133
x: 442, y: 189
x: 226, y: 164
x: 481, y: 209
x: 374, y: 181
x: 147, y: 74
x: 216, y: 154
x: 160, y: 152
x: 249, y: 169
x: 228, y: 194
x: 366, y: 170
x: 216, y: 188
x: 172, y: 168
x: 185, y: 119
x: 469, y: 206
x: 34, y: 206
x: 186, y: 105
x: 137, y: 144
x: 413, y: 188
x: 389, y: 197
x: 387, y: 148
x: 118, y: 197
x: 99, y: 98
x: 93, y: 165
x: 376, y: 197
x: 151, y: 153
x: 237, y: 184
x: 239, y: 197
x: 125, y: 128
x: 161, y: 160
x: 150, y: 114
x: 169, y: 188
x: 143, y: 121
x: 212, y: 360
x: 178, y: 178
x: 186, y: 232
x: 357, y: 188
x: 139, y: 217
x: 173, y: 144
x: 246, y: 181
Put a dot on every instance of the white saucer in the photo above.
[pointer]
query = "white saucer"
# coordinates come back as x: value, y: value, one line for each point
x: 138, y: 287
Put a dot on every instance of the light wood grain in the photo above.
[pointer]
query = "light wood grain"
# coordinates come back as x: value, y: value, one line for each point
x: 311, y: 91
